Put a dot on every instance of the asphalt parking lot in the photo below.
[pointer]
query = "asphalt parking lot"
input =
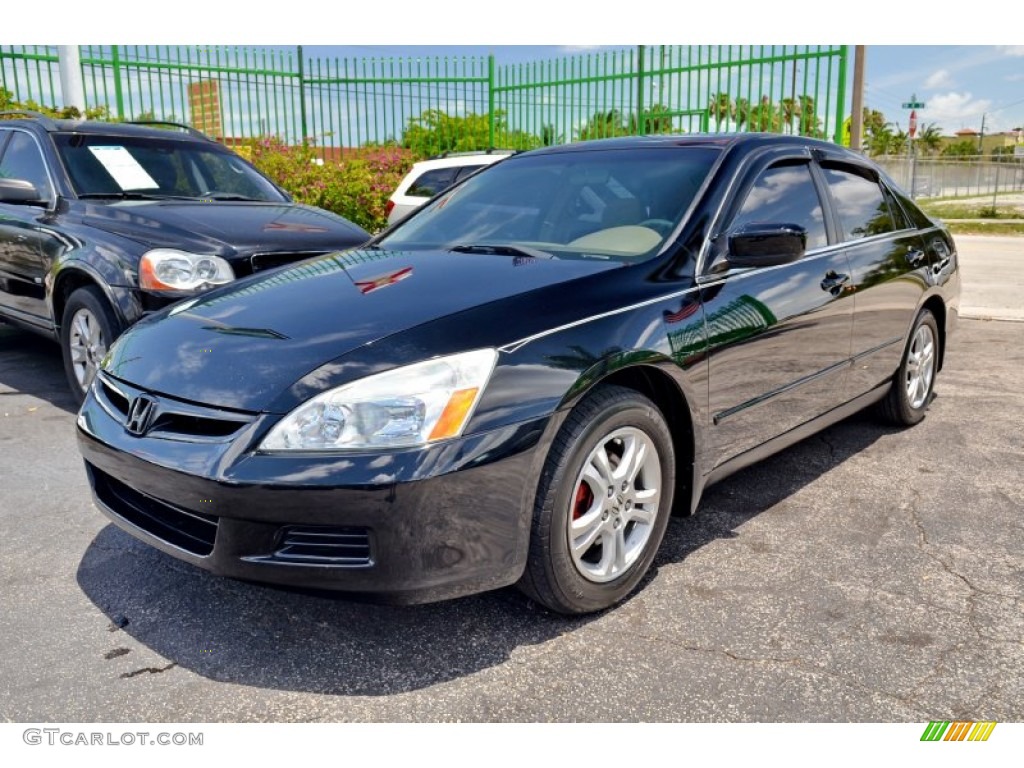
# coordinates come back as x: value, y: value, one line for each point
x: 867, y: 574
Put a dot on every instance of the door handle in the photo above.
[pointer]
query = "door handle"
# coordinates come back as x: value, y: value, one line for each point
x: 915, y: 256
x: 834, y: 282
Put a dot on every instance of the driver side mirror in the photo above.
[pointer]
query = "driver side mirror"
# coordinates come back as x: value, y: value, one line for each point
x: 19, y: 192
x: 767, y: 245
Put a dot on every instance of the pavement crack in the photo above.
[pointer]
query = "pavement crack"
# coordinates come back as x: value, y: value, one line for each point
x: 148, y: 670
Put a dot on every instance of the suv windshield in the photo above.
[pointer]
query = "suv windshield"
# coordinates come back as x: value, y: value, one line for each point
x: 601, y: 203
x: 137, y: 166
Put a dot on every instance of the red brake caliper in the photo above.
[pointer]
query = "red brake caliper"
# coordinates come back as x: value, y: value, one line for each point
x: 584, y: 498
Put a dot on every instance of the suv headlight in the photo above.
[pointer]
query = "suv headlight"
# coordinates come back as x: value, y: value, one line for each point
x: 402, y: 408
x: 166, y: 269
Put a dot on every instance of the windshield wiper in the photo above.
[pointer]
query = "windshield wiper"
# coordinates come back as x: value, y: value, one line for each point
x: 127, y: 196
x: 502, y: 249
x: 229, y: 196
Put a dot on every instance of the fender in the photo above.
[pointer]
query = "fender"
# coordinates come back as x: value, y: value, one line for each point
x: 120, y: 297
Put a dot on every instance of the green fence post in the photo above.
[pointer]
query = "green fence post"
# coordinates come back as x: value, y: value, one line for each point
x: 302, y: 96
x: 490, y: 101
x: 115, y: 62
x: 641, y: 120
x: 841, y: 95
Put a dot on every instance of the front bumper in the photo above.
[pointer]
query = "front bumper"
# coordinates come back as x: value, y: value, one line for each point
x: 407, y: 527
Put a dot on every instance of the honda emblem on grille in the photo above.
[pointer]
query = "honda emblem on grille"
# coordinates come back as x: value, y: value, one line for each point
x: 140, y: 415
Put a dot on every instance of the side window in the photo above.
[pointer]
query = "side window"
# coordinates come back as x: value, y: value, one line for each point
x: 23, y: 160
x: 432, y: 182
x: 785, y: 194
x: 863, y: 210
x: 900, y: 220
x: 465, y: 170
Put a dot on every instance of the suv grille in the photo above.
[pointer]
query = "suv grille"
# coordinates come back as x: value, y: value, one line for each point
x: 191, y: 531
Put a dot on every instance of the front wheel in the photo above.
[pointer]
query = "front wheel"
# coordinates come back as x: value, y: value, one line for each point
x: 602, y: 504
x: 914, y: 382
x: 87, y: 329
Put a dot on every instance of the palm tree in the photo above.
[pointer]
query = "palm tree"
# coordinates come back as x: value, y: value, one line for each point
x: 790, y: 109
x: 810, y: 125
x: 765, y: 116
x: 720, y: 108
x: 603, y: 125
x: 929, y: 139
x: 740, y: 113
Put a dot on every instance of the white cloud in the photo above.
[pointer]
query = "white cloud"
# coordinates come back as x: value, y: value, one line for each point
x: 953, y: 111
x: 939, y: 79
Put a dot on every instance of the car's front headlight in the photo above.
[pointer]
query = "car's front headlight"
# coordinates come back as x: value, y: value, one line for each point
x: 167, y: 269
x: 402, y: 408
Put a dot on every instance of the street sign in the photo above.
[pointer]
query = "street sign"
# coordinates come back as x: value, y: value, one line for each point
x: 913, y: 123
x: 913, y: 105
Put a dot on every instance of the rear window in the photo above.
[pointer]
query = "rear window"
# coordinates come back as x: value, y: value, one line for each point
x: 430, y: 183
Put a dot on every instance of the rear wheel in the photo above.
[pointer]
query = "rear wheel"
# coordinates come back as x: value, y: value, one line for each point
x: 603, y: 503
x: 87, y: 329
x: 914, y: 383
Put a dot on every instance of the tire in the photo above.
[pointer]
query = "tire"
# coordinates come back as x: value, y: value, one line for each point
x: 585, y: 495
x: 914, y: 382
x: 87, y: 328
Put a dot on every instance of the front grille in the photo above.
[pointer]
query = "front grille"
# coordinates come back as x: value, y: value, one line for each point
x: 264, y: 261
x: 325, y: 545
x: 172, y: 419
x: 114, y: 397
x: 188, y: 530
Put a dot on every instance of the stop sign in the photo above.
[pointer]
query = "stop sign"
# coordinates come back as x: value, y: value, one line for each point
x: 913, y: 122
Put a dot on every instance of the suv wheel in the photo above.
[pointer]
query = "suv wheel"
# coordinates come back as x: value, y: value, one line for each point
x: 87, y: 329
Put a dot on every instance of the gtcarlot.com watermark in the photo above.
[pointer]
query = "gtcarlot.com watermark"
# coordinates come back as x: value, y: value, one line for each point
x: 60, y: 737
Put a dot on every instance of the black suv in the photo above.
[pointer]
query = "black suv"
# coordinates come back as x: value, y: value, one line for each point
x: 102, y: 223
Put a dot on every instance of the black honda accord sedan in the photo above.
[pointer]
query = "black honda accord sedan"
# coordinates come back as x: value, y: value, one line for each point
x: 520, y: 382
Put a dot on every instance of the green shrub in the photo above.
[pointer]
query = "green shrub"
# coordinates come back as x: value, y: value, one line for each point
x: 357, y: 186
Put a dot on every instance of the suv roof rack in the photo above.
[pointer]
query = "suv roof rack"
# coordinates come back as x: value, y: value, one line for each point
x: 491, y: 151
x: 44, y: 119
x: 187, y: 128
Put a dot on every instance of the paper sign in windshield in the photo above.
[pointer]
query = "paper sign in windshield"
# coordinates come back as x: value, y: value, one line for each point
x: 124, y: 168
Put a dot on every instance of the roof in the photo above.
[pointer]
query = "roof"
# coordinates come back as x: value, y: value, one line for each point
x: 54, y: 125
x: 720, y: 140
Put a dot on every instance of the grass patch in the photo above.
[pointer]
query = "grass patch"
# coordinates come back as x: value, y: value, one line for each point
x: 964, y: 211
x: 986, y: 228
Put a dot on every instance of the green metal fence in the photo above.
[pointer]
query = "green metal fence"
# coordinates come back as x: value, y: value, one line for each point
x: 444, y: 103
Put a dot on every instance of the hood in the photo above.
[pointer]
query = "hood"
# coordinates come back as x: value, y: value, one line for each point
x: 242, y: 345
x: 225, y: 228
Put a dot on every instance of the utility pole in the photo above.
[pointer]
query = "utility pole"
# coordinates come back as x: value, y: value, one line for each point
x: 857, y: 118
x: 71, y: 86
x: 981, y: 136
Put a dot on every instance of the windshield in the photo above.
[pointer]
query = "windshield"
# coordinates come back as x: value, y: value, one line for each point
x: 618, y: 204
x: 146, y: 167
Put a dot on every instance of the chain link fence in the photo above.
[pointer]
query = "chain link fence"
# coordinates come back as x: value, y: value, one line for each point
x: 932, y: 177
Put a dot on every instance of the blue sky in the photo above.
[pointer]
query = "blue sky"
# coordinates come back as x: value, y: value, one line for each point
x: 978, y: 71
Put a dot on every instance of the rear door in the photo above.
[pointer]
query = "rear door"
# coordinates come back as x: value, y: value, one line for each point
x: 889, y: 267
x: 779, y: 337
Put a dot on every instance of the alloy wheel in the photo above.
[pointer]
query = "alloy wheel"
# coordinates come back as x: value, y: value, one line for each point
x: 920, y: 366
x: 614, y: 505
x: 87, y: 346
